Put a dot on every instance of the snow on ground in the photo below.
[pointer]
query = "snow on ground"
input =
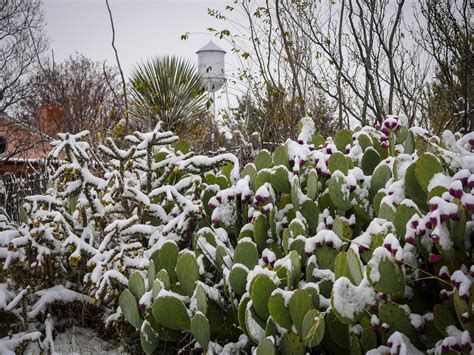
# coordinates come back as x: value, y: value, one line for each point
x: 79, y: 341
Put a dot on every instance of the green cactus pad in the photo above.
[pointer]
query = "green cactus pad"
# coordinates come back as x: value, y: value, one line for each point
x: 238, y: 279
x: 156, y: 288
x: 151, y: 274
x: 148, y: 338
x: 380, y: 177
x: 263, y: 160
x: 168, y: 256
x: 295, y: 191
x: 260, y: 232
x: 317, y: 140
x: 325, y: 257
x: 163, y: 276
x: 279, y: 179
x: 251, y: 171
x: 313, y: 328
x: 338, y: 161
x: 128, y: 305
x: 206, y: 196
x: 398, y: 320
x: 200, y: 329
x: 241, y: 312
x: 246, y: 253
x: 338, y: 331
x: 368, y: 339
x: 369, y: 161
x: 263, y: 176
x: 443, y: 317
x: 341, y: 267
x: 279, y: 311
x: 271, y: 328
x: 291, y: 344
x: 377, y: 201
x: 426, y: 167
x: 136, y: 285
x: 355, y: 266
x: 413, y: 189
x: 266, y: 346
x: 342, y: 228
x: 280, y: 156
x: 387, y: 211
x: 339, y: 192
x: 187, y: 272
x: 463, y: 307
x: 343, y: 138
x: 364, y: 141
x: 201, y: 299
x: 312, y: 188
x: 391, y: 277
x: 309, y: 210
x: 300, y: 303
x: 171, y: 313
x: 260, y: 290
x: 402, y: 216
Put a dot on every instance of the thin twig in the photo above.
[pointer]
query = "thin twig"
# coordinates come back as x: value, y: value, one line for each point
x: 124, y: 86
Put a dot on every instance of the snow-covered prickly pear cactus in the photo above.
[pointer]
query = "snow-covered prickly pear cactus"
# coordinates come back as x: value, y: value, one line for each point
x: 345, y: 243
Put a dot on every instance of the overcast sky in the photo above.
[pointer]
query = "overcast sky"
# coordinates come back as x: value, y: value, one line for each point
x: 144, y: 28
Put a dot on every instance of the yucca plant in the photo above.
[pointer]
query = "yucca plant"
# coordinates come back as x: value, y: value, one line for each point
x: 170, y: 90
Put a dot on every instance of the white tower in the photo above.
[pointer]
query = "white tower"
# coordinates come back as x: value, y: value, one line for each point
x: 211, y: 68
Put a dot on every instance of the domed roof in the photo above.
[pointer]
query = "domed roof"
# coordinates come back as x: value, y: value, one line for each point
x: 211, y: 47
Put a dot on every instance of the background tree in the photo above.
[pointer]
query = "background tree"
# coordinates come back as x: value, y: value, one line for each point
x: 22, y: 43
x: 444, y: 32
x: 86, y: 93
x: 169, y: 90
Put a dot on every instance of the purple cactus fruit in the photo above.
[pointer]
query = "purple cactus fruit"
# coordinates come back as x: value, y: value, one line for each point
x: 445, y: 348
x: 292, y: 162
x: 465, y: 318
x: 300, y: 141
x: 388, y: 246
x: 141, y: 306
x: 352, y: 188
x: 434, y: 258
x: 389, y: 344
x: 284, y: 224
x: 375, y: 326
x: 265, y: 259
x: 384, y: 131
x: 467, y: 347
x: 471, y: 142
x: 211, y: 205
x: 308, y: 254
x: 444, y: 275
x: 383, y: 139
x: 470, y: 183
x: 230, y: 198
x: 421, y: 232
x: 215, y: 221
x: 435, y: 238
x: 347, y: 150
x: 456, y: 192
x: 330, y: 243
x: 433, y: 206
x: 457, y: 347
x: 433, y: 221
x: 329, y: 225
x: 316, y: 161
x: 397, y: 127
x: 410, y: 240
x: 219, y: 198
x: 468, y: 206
x: 420, y: 328
x: 443, y: 295
x: 362, y: 249
x: 377, y: 126
x: 384, y: 327
x: 414, y: 224
x: 383, y: 297
x: 464, y: 296
x: 384, y: 145
x: 318, y: 244
x: 328, y: 150
x: 174, y: 215
x: 352, y: 225
x: 455, y: 283
x: 302, y: 162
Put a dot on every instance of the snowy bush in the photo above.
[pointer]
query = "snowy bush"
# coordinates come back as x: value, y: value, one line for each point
x: 359, y: 242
